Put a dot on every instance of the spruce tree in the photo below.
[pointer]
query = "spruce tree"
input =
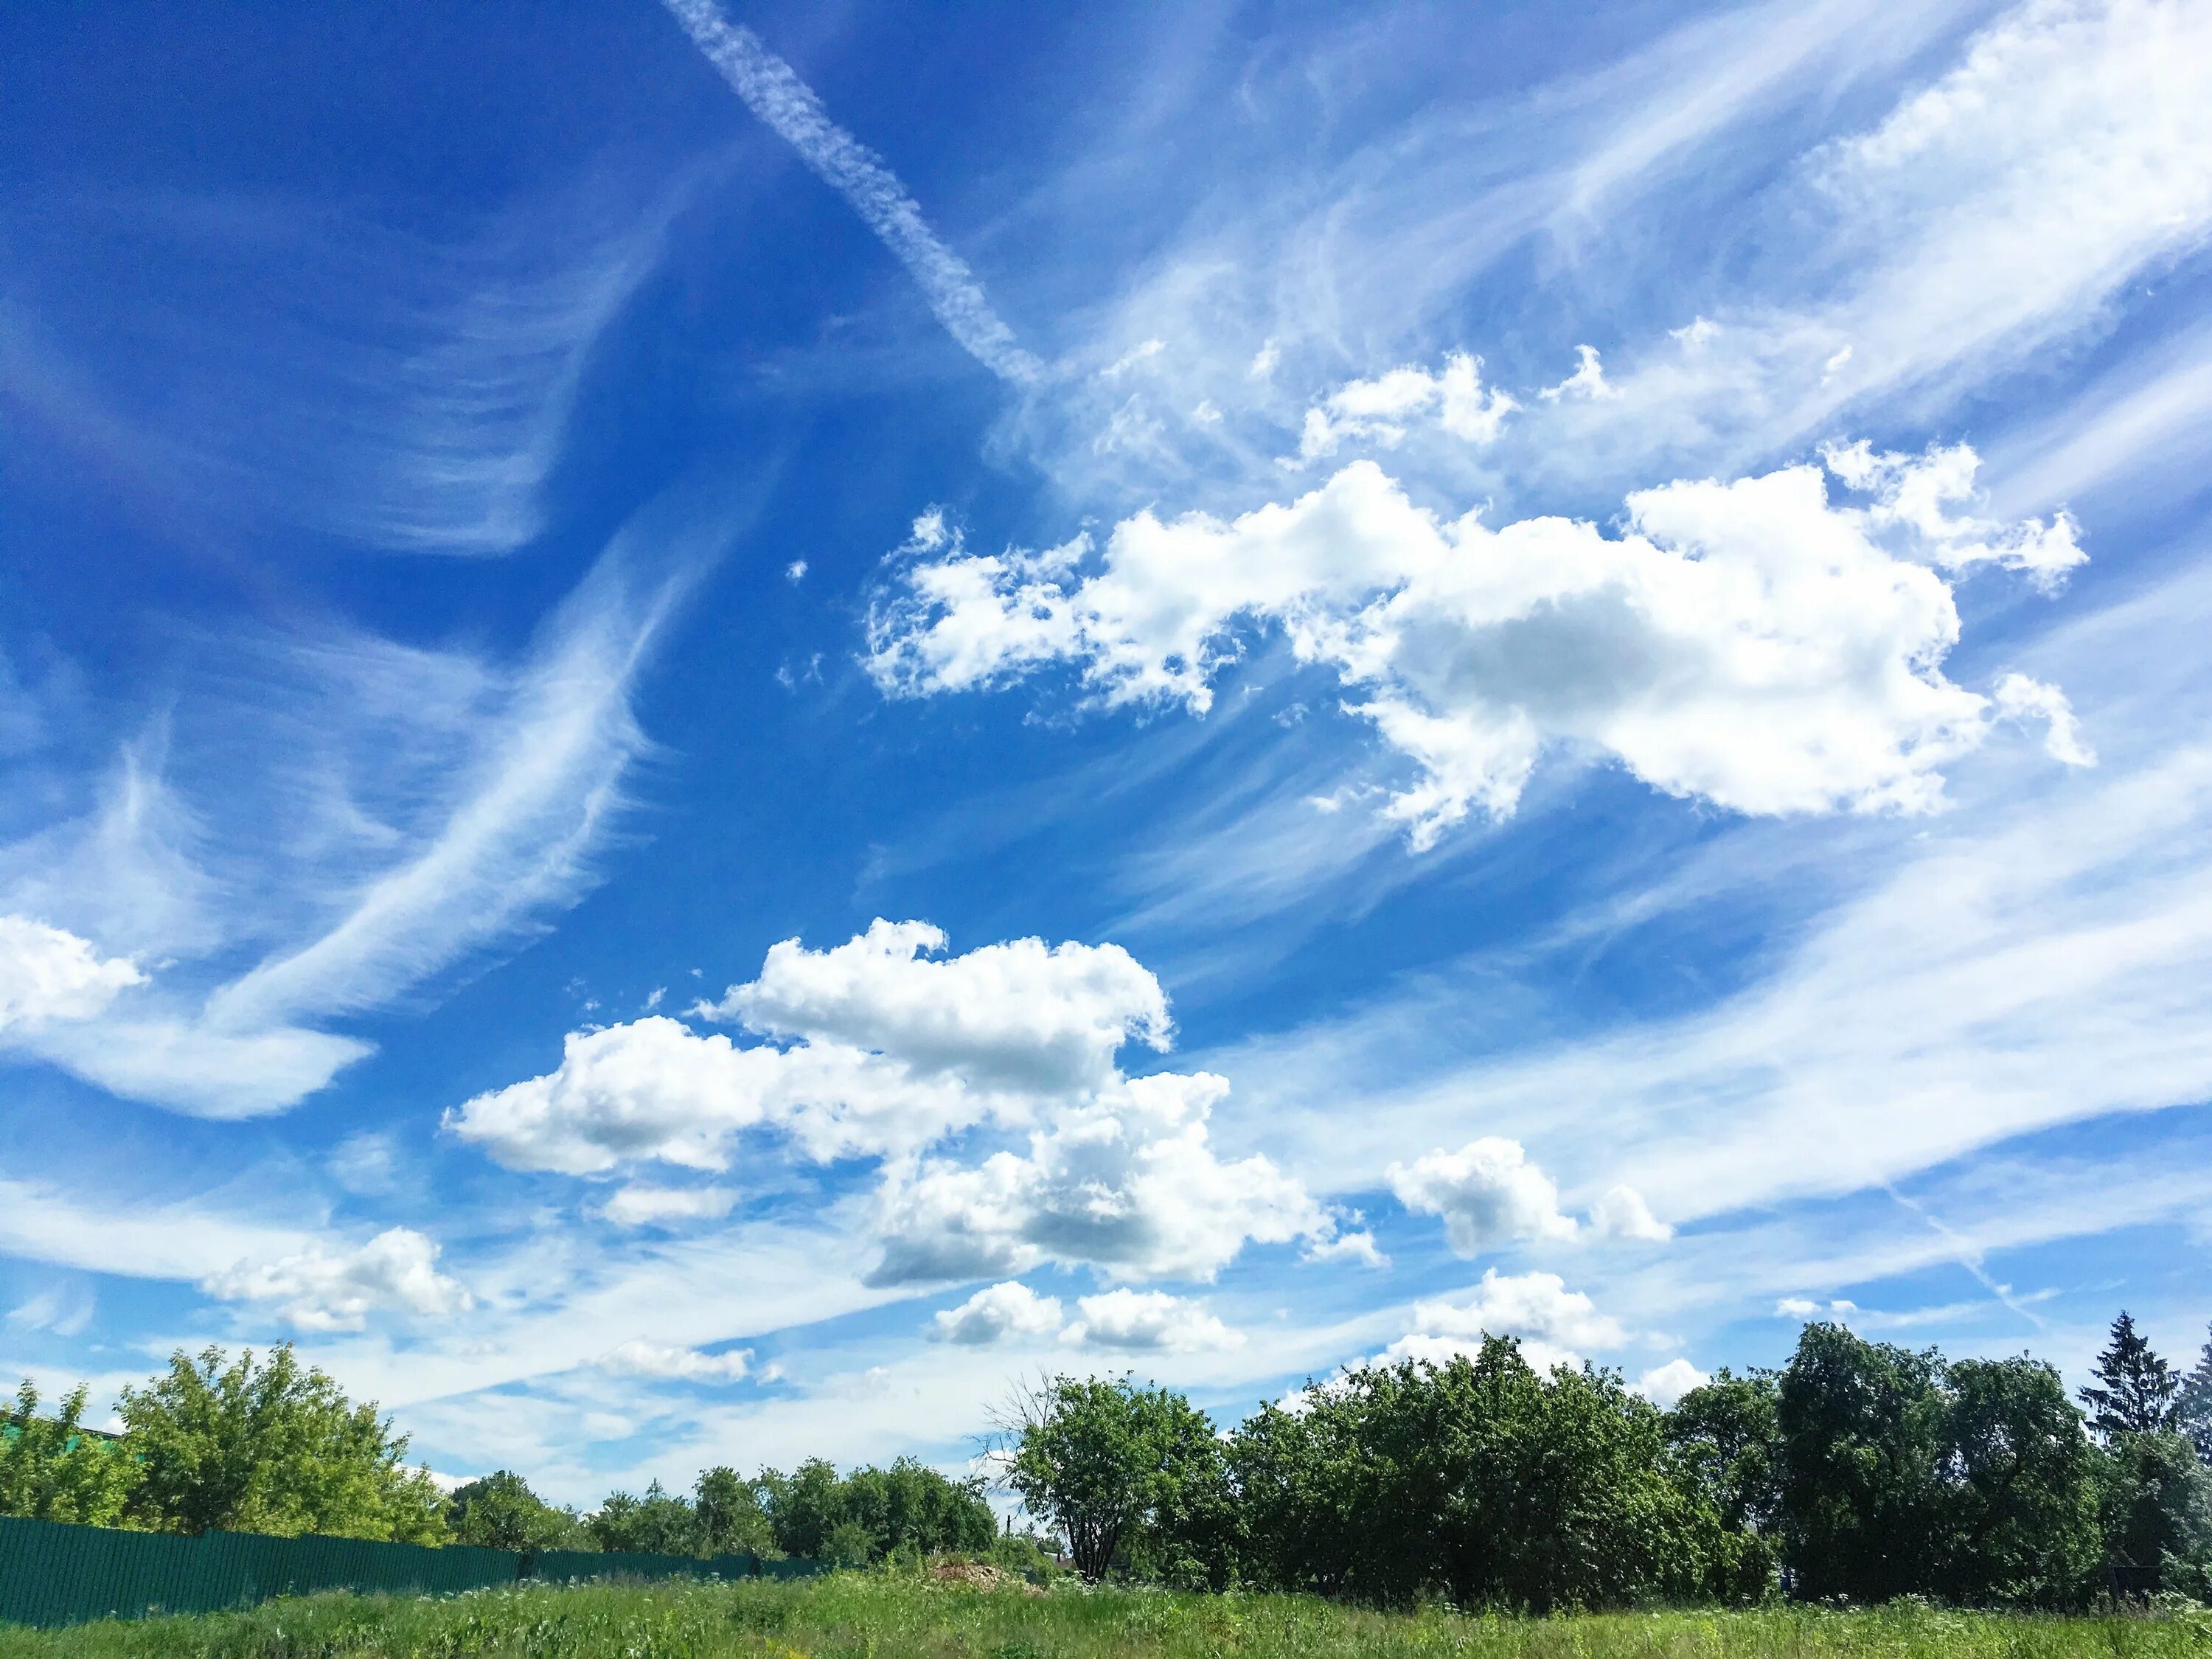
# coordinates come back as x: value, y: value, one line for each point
x: 2135, y: 1388
x: 2192, y: 1408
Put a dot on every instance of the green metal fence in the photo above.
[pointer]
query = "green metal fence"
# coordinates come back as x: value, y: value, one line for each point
x: 52, y: 1574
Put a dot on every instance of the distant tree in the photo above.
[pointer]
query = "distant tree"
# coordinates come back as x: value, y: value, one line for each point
x: 2021, y: 1520
x: 2155, y: 1511
x: 225, y: 1444
x: 2135, y: 1388
x: 54, y: 1469
x: 911, y: 1509
x: 1862, y: 1431
x: 1728, y: 1444
x: 501, y: 1512
x: 2193, y: 1403
x: 730, y: 1516
x: 1113, y: 1465
x: 804, y: 1507
x: 655, y: 1524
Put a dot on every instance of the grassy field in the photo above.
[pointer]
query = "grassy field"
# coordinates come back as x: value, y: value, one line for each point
x: 887, y: 1618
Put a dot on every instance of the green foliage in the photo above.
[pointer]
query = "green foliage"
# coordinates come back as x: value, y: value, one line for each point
x: 656, y: 1524
x: 731, y: 1518
x: 850, y: 1614
x: 2134, y: 1389
x: 501, y: 1512
x: 2192, y: 1405
x: 53, y: 1469
x: 2020, y: 1521
x: 1727, y: 1438
x: 2155, y: 1509
x: 273, y: 1449
x: 1120, y: 1468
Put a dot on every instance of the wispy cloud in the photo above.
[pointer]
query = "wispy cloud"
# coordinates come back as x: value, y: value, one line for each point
x: 775, y: 93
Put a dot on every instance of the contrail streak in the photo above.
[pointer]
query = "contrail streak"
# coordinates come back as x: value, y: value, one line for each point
x: 773, y: 92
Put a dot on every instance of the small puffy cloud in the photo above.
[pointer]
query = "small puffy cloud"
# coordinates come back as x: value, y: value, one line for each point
x: 1379, y: 411
x: 1665, y: 1385
x: 1622, y: 1212
x: 2019, y: 698
x: 1128, y: 1184
x: 1555, y: 1324
x: 665, y: 1362
x: 319, y: 1289
x: 1751, y: 643
x: 1148, y: 1321
x: 48, y: 975
x: 1800, y: 1307
x: 642, y: 1205
x: 996, y: 1313
x: 1488, y: 1193
x: 1589, y: 379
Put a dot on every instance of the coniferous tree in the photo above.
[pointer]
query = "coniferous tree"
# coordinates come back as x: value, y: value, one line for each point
x: 2192, y: 1405
x: 2135, y: 1388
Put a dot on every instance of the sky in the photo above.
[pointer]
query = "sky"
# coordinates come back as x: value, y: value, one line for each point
x: 722, y: 726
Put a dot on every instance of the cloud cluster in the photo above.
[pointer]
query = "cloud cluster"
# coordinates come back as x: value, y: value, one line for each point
x: 663, y: 1362
x: 1380, y: 411
x: 1490, y: 1195
x: 47, y: 974
x: 322, y: 1290
x: 1121, y: 1320
x: 888, y: 1049
x: 1555, y: 1324
x: 1749, y: 643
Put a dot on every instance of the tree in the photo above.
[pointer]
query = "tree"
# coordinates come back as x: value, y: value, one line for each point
x: 2135, y: 1388
x: 2193, y: 1404
x: 2021, y: 1525
x: 1862, y: 1426
x: 805, y: 1507
x: 1728, y: 1447
x: 501, y: 1512
x: 731, y: 1518
x: 2154, y: 1507
x: 1112, y: 1465
x: 224, y: 1444
x: 911, y: 1510
x: 54, y: 1469
x: 655, y: 1524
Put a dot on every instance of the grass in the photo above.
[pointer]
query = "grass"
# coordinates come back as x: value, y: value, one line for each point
x: 874, y: 1616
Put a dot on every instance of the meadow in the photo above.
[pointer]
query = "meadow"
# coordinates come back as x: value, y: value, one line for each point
x: 880, y: 1615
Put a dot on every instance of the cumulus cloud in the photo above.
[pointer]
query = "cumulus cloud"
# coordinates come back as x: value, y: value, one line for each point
x: 1589, y: 379
x: 662, y: 1362
x: 2019, y: 698
x: 1381, y: 411
x: 1488, y: 1193
x: 1917, y: 493
x: 1747, y: 643
x: 1665, y: 1385
x: 1149, y: 1322
x: 1801, y: 1307
x: 1622, y: 1212
x: 320, y: 1290
x: 995, y: 1313
x: 1555, y: 1325
x: 47, y: 974
x: 1128, y: 1183
x: 642, y: 1205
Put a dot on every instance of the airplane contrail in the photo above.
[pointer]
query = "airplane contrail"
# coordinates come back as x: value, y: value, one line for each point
x: 774, y: 92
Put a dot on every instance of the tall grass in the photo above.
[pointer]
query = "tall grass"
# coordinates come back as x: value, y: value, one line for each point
x: 859, y: 1616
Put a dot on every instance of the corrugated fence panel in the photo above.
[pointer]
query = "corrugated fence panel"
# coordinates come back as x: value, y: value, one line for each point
x: 52, y: 1574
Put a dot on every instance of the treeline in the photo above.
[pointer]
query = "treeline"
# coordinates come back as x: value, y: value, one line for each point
x: 221, y: 1444
x: 1859, y: 1471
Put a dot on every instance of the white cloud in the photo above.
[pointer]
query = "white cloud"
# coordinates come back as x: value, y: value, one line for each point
x: 1149, y: 1322
x: 1589, y: 379
x: 1380, y: 411
x: 1799, y: 1307
x: 1747, y: 644
x: 1555, y: 1324
x: 1916, y: 493
x: 47, y: 974
x: 665, y: 1362
x: 1127, y: 1184
x: 774, y: 93
x: 1487, y: 1193
x: 2019, y: 698
x: 1019, y: 1015
x: 641, y: 1206
x: 996, y: 1312
x: 1622, y: 1212
x: 319, y: 1289
x: 1665, y: 1385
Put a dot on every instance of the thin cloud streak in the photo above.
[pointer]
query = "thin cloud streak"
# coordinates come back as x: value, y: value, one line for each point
x: 774, y: 92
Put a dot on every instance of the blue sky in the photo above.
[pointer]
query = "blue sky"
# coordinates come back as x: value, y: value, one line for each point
x: 722, y: 726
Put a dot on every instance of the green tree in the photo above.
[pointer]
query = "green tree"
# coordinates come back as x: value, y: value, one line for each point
x: 733, y: 1519
x: 1727, y: 1438
x: 1113, y: 1466
x: 2021, y: 1525
x: 804, y: 1507
x: 911, y: 1509
x: 54, y: 1469
x: 658, y: 1523
x: 2193, y: 1404
x: 501, y: 1512
x: 2155, y: 1508
x: 273, y: 1448
x: 2135, y: 1388
x: 1861, y: 1427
